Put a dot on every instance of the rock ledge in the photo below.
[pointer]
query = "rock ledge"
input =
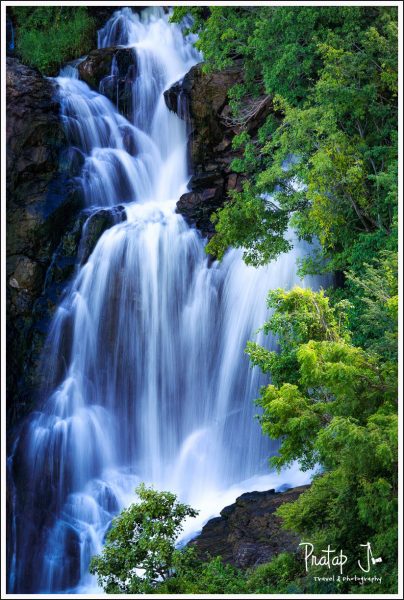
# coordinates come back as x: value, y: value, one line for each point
x: 248, y: 533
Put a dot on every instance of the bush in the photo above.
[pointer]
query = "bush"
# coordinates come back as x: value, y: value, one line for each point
x: 49, y: 36
x: 279, y: 576
x: 193, y: 576
x: 142, y: 538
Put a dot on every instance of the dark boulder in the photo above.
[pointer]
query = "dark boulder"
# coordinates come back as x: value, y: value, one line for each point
x: 96, y: 66
x: 201, y: 100
x: 197, y: 207
x: 94, y: 227
x: 248, y: 533
x: 206, y: 98
x: 111, y: 71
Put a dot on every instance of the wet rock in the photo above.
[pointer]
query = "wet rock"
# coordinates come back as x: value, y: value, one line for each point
x: 41, y: 202
x: 71, y: 161
x: 206, y: 96
x: 27, y: 274
x: 96, y: 66
x: 75, y: 246
x: 111, y: 71
x: 95, y: 226
x: 209, y: 178
x: 248, y: 533
x: 202, y: 101
x: 64, y: 258
x: 197, y: 207
x: 72, y: 552
x: 34, y: 137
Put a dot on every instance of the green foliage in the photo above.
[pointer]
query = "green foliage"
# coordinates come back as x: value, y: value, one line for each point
x: 244, y: 223
x: 280, y: 576
x: 335, y: 405
x: 48, y: 36
x: 332, y: 75
x: 284, y: 574
x: 194, y: 576
x: 299, y: 316
x: 375, y: 306
x: 142, y: 537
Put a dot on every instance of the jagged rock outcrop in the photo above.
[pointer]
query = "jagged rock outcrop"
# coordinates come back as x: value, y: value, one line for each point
x: 202, y: 100
x: 96, y: 66
x: 248, y: 533
x: 112, y: 72
x: 40, y: 203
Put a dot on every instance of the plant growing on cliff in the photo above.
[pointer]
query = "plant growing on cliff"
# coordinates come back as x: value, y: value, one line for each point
x: 332, y: 77
x: 48, y: 36
x: 140, y: 546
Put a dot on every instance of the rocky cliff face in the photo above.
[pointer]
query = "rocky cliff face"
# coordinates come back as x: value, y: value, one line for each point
x: 201, y: 99
x: 248, y: 533
x: 40, y: 205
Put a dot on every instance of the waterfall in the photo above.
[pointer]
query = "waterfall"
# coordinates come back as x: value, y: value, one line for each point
x: 146, y: 375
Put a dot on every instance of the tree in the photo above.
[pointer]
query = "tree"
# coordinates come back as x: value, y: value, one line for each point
x: 334, y: 405
x: 140, y: 546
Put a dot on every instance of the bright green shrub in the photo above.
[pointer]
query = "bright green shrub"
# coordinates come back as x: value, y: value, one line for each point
x: 49, y: 36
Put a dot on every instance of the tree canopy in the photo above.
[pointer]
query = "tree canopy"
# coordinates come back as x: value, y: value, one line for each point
x: 140, y: 545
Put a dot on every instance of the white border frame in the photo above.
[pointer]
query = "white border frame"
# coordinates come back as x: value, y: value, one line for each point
x: 118, y: 4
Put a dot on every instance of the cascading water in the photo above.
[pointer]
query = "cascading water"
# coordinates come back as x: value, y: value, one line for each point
x: 146, y: 374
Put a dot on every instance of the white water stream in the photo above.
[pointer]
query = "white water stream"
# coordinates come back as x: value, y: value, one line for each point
x: 147, y: 373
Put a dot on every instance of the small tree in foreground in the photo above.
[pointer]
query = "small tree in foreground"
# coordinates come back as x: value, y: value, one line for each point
x: 140, y: 546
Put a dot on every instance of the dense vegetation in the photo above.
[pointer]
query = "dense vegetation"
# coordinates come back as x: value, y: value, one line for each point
x: 49, y: 36
x: 326, y: 157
